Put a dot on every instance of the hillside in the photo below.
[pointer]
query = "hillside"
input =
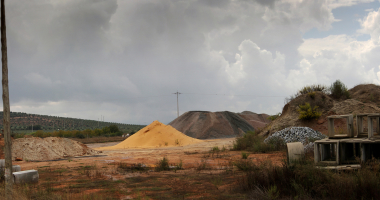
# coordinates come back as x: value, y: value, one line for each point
x: 21, y: 122
x: 207, y: 125
x: 364, y: 98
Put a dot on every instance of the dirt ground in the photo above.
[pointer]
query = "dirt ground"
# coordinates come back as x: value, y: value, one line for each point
x: 191, y: 155
x: 206, y: 174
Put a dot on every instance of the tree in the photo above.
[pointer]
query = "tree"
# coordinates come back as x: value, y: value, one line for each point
x: 114, y: 128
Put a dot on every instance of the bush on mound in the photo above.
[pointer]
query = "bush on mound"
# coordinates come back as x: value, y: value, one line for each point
x: 306, y: 112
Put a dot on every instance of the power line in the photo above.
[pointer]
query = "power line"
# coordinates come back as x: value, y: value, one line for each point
x: 233, y: 95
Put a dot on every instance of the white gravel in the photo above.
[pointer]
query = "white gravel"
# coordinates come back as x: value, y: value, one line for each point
x: 305, y: 135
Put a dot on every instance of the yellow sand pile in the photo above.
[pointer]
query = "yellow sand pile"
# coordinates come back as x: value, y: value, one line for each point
x: 154, y: 135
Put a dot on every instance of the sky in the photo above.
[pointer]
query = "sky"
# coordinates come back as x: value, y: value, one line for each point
x: 124, y: 59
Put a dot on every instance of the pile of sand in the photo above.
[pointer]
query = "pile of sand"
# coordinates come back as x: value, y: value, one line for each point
x: 50, y: 148
x: 154, y: 135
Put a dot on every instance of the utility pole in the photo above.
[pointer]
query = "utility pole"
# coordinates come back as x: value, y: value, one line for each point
x: 177, y: 93
x: 6, y: 108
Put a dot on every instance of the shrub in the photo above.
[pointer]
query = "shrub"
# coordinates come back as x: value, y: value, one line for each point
x: 338, y: 90
x: 311, y: 95
x: 244, y: 155
x: 162, y: 165
x: 203, y: 165
x: 39, y: 133
x: 312, y: 88
x: 304, y: 181
x: 179, y: 165
x: 255, y: 143
x: 80, y: 135
x: 245, y: 165
x: 306, y: 112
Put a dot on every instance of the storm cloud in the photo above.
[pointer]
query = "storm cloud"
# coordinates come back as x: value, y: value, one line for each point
x: 125, y: 59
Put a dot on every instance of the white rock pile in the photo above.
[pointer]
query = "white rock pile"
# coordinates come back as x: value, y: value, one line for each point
x: 305, y: 135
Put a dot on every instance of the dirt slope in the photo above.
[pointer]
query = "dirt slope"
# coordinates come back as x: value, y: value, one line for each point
x: 366, y: 93
x: 207, y: 125
x: 364, y: 99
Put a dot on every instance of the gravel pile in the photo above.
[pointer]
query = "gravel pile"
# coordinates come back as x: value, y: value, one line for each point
x: 305, y: 135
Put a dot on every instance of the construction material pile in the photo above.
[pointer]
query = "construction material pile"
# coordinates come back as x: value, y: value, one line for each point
x: 154, y: 135
x: 210, y: 125
x: 305, y: 135
x: 50, y: 148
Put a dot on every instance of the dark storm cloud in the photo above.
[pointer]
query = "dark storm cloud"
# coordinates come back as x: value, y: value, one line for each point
x: 124, y: 59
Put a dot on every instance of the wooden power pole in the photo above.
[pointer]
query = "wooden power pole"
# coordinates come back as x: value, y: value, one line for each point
x: 6, y: 109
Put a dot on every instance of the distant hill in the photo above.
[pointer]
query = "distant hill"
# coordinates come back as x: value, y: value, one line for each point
x: 22, y: 122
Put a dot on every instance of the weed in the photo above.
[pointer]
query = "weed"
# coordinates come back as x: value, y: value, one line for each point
x: 244, y: 155
x: 217, y: 181
x: 214, y: 150
x: 162, y: 165
x: 224, y: 148
x: 177, y: 142
x: 304, y: 180
x: 311, y: 95
x: 203, y: 165
x: 312, y: 88
x: 272, y: 192
x: 166, y: 143
x: 245, y: 165
x: 306, y: 112
x: 179, y: 165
